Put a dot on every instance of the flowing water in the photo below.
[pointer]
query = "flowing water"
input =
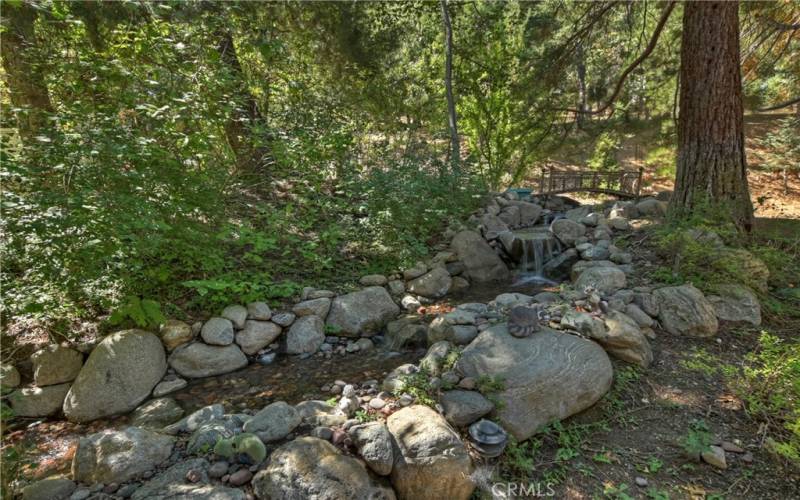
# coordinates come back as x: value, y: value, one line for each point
x: 538, y: 246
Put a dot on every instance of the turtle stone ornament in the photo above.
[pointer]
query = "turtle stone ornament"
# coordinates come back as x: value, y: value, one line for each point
x: 523, y: 321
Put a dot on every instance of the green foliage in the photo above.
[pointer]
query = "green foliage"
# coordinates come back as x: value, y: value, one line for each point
x: 604, y: 156
x: 662, y: 161
x: 781, y: 147
x: 364, y: 416
x: 770, y: 386
x: 617, y: 492
x: 698, y: 439
x: 418, y: 385
x: 144, y: 313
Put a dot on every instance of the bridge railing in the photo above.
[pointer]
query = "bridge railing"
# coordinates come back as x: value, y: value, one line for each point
x: 617, y: 182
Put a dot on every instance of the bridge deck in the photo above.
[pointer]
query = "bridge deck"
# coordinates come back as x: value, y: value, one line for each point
x: 621, y: 183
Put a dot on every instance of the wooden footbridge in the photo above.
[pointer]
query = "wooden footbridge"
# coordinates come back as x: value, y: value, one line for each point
x: 620, y: 183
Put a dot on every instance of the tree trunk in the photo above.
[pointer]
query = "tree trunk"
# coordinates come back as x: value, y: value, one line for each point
x: 245, y: 114
x: 581, y: 70
x: 455, y: 147
x: 711, y: 156
x: 26, y: 80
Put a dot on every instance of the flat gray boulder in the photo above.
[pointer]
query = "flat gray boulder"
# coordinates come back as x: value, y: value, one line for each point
x: 433, y: 284
x: 305, y: 335
x: 119, y: 374
x: 218, y: 331
x: 113, y: 456
x: 624, y: 340
x: 567, y: 231
x: 431, y: 462
x: 256, y: 335
x: 363, y: 312
x: 201, y: 360
x: 605, y: 280
x: 461, y: 408
x: 481, y: 263
x: 274, y: 422
x: 547, y: 376
x: 38, y: 401
x: 683, y: 310
x: 157, y: 413
x: 313, y: 469
x: 375, y: 445
x: 736, y: 304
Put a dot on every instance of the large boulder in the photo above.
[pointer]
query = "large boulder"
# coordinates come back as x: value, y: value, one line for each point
x: 119, y: 374
x: 363, y: 312
x: 481, y: 262
x: 567, y: 231
x: 375, y: 445
x: 605, y: 280
x: 256, y: 335
x: 433, y: 284
x: 313, y: 469
x: 736, y: 304
x: 624, y: 340
x: 273, y: 422
x: 547, y: 376
x: 651, y: 207
x: 683, y: 310
x: 113, y: 456
x: 56, y: 364
x: 431, y: 461
x: 305, y: 335
x: 201, y: 360
x: 747, y: 265
x: 492, y: 226
x: 407, y: 330
x: 528, y: 212
x: 38, y: 401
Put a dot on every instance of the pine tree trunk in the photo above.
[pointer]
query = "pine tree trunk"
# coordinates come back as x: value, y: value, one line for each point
x: 26, y: 82
x: 711, y: 157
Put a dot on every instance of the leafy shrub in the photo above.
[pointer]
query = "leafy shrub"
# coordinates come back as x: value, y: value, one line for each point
x: 143, y: 313
x: 697, y: 440
x: 662, y: 161
x: 604, y: 156
x: 770, y: 387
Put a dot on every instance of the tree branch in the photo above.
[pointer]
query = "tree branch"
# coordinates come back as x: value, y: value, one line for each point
x: 781, y: 105
x: 644, y: 55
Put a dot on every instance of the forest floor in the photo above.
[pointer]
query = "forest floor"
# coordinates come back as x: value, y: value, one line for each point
x: 630, y: 444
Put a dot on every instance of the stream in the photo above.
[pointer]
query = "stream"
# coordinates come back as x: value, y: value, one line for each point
x: 48, y: 445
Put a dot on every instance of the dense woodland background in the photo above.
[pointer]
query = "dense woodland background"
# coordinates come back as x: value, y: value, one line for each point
x: 195, y: 154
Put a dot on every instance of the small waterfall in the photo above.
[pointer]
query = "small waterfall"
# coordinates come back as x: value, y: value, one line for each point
x: 538, y: 246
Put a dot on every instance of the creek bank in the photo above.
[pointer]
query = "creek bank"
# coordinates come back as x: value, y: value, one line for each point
x: 477, y: 354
